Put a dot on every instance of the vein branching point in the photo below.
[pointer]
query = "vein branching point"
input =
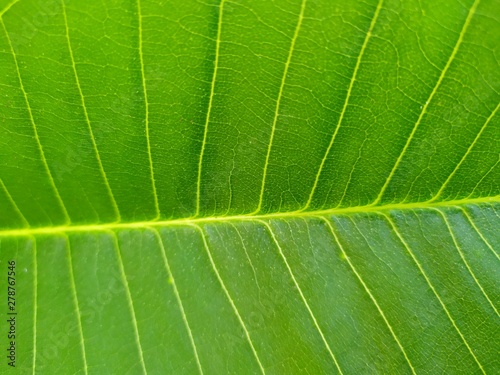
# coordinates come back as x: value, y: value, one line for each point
x: 278, y: 103
x: 466, y: 24
x: 249, y: 217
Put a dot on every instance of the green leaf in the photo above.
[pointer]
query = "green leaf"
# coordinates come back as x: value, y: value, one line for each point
x: 235, y: 186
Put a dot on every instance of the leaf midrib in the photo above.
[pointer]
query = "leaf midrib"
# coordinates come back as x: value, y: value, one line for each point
x: 246, y: 217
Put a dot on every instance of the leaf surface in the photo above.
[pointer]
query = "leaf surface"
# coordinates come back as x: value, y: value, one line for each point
x: 239, y: 186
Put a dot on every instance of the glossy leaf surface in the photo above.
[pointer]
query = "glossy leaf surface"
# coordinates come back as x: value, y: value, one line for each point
x: 278, y: 187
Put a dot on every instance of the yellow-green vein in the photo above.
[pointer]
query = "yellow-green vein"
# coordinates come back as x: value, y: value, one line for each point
x: 77, y: 305
x: 346, y: 102
x: 129, y: 300
x: 226, y: 291
x: 445, y: 183
x: 424, y: 274
x: 278, y: 103
x: 4, y: 10
x: 478, y: 232
x: 87, y: 118
x: 35, y: 301
x: 35, y: 131
x: 178, y: 298
x: 14, y: 205
x: 246, y: 254
x: 428, y: 101
x: 367, y: 290
x: 146, y: 103
x: 302, y: 296
x: 455, y: 242
x: 484, y: 176
x: 277, y: 215
x: 210, y: 104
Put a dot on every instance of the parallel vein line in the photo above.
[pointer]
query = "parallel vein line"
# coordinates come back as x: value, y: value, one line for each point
x: 277, y: 215
x: 346, y: 102
x: 246, y: 254
x: 367, y: 290
x: 77, y: 306
x: 145, y: 92
x: 455, y: 242
x: 226, y: 291
x: 210, y: 103
x: 129, y: 300
x: 14, y: 205
x: 426, y: 105
x: 495, y: 212
x: 492, y: 168
x: 35, y: 302
x: 467, y: 153
x: 316, y: 324
x: 407, y: 247
x: 87, y: 119
x: 178, y: 298
x: 32, y: 120
x: 478, y: 232
x: 5, y: 10
x: 278, y: 103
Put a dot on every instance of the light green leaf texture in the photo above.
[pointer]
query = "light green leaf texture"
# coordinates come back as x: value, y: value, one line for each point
x: 251, y: 186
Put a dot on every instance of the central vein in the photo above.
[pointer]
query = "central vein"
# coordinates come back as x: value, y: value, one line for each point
x: 248, y: 217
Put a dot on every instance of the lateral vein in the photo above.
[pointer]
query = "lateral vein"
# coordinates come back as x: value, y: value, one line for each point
x: 209, y: 110
x: 87, y: 118
x: 77, y: 306
x: 429, y: 100
x: 35, y: 131
x: 460, y: 252
x: 457, y: 167
x: 6, y: 9
x: 130, y: 301
x: 13, y: 202
x: 226, y: 292
x: 278, y: 215
x: 302, y: 296
x: 424, y: 274
x: 278, y: 103
x: 367, y: 290
x: 145, y: 91
x: 178, y: 298
x: 478, y: 232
